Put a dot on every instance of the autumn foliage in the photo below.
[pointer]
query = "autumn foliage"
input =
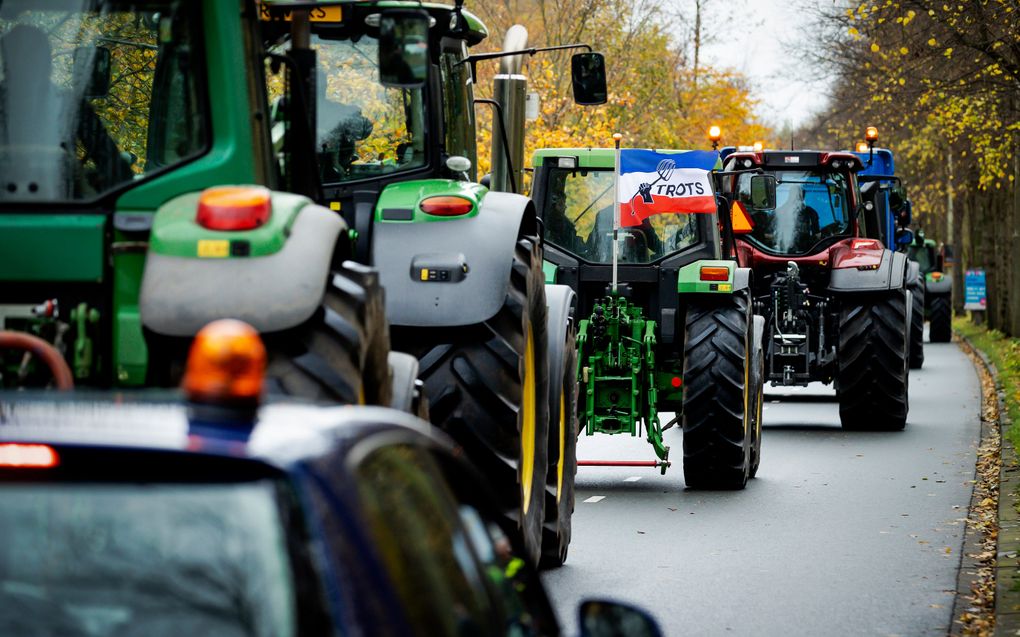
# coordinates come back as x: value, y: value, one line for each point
x: 656, y: 96
x: 942, y: 81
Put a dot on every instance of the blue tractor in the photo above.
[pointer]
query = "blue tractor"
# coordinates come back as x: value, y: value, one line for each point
x: 887, y: 216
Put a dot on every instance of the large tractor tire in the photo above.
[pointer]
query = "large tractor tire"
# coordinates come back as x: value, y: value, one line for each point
x: 340, y: 354
x: 940, y: 327
x: 917, y: 324
x: 758, y: 392
x: 872, y: 378
x: 487, y: 388
x: 563, y: 432
x: 718, y: 394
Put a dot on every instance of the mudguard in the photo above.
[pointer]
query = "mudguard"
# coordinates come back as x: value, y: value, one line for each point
x: 182, y: 292
x: 689, y: 278
x: 913, y: 272
x: 560, y: 300
x: 450, y: 272
x: 943, y: 286
x: 889, y: 275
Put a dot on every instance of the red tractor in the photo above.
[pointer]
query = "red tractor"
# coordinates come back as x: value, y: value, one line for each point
x: 835, y: 302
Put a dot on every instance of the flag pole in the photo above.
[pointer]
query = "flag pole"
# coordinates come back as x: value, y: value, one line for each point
x: 616, y: 206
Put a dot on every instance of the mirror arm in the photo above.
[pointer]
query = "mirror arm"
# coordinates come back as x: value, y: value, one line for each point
x: 475, y: 58
x: 506, y: 144
x: 729, y: 242
x: 302, y: 127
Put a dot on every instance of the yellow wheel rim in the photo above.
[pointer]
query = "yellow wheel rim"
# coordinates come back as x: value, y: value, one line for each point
x: 563, y: 440
x: 528, y: 423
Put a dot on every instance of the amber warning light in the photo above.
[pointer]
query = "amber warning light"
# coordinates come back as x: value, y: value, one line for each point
x: 22, y: 456
x: 226, y: 364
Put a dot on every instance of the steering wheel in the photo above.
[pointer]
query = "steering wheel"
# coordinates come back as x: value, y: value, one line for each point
x: 44, y: 351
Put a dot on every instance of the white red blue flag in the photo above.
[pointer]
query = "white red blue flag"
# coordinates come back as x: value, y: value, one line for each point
x: 656, y: 182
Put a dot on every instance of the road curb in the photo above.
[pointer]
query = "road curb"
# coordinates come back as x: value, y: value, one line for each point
x: 1007, y: 562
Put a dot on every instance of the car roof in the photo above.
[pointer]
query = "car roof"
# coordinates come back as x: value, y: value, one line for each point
x: 285, y: 432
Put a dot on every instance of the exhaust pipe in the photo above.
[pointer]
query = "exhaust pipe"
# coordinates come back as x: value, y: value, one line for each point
x: 510, y: 90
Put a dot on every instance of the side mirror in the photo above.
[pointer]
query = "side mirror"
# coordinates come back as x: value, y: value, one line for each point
x: 93, y: 67
x: 763, y: 192
x: 600, y: 618
x: 904, y: 237
x: 588, y: 76
x: 403, y: 48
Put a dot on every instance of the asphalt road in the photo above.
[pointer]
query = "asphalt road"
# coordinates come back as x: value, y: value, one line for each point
x: 841, y: 533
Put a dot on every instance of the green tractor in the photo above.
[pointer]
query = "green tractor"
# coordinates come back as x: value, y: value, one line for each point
x: 121, y: 231
x: 666, y: 315
x: 116, y: 120
x: 938, y: 287
x: 390, y: 90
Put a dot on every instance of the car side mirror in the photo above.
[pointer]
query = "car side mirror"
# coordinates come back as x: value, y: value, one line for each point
x: 403, y: 48
x: 93, y: 66
x: 763, y: 192
x: 588, y: 77
x: 601, y: 618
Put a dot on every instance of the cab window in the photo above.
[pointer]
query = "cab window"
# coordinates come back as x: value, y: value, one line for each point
x: 458, y: 107
x: 96, y: 95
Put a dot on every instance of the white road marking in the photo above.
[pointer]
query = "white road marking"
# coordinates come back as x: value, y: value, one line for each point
x: 596, y: 498
x: 632, y: 479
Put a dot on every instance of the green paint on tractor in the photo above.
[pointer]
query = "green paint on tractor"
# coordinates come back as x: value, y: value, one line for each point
x: 616, y: 359
x: 400, y: 202
x: 176, y: 233
x: 689, y: 279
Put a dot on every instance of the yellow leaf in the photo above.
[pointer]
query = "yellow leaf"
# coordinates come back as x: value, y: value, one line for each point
x: 932, y: 42
x: 874, y: 47
x: 903, y: 50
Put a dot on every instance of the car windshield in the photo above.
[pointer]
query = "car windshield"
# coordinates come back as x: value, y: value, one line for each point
x: 363, y: 129
x: 810, y: 206
x: 94, y: 95
x: 578, y: 215
x: 103, y: 559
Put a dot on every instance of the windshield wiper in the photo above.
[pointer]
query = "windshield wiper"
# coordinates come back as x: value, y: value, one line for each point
x: 592, y: 204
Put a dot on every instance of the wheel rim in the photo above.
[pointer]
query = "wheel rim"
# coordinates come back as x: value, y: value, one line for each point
x: 563, y: 440
x: 528, y: 423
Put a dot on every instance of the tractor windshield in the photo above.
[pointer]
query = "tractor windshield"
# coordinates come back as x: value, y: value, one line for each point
x: 810, y: 206
x: 363, y: 129
x: 94, y: 95
x: 578, y: 214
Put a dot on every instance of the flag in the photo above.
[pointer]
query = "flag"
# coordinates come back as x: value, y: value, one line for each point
x: 656, y: 182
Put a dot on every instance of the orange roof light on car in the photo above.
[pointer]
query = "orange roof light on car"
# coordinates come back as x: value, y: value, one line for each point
x: 28, y: 456
x: 233, y: 207
x: 714, y: 135
x: 871, y: 134
x: 226, y: 364
x: 862, y: 147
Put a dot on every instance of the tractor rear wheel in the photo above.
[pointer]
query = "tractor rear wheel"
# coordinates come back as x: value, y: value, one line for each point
x: 341, y: 352
x: 917, y: 325
x: 563, y: 432
x: 872, y: 378
x: 487, y: 387
x: 940, y: 328
x: 717, y: 404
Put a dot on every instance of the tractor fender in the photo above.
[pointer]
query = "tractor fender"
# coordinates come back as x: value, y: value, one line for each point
x: 943, y: 286
x: 741, y: 279
x: 560, y: 300
x: 913, y: 272
x: 180, y: 294
x: 891, y: 274
x: 451, y: 272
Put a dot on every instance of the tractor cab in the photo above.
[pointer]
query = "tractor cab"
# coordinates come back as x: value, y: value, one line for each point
x: 816, y: 197
x: 574, y: 191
